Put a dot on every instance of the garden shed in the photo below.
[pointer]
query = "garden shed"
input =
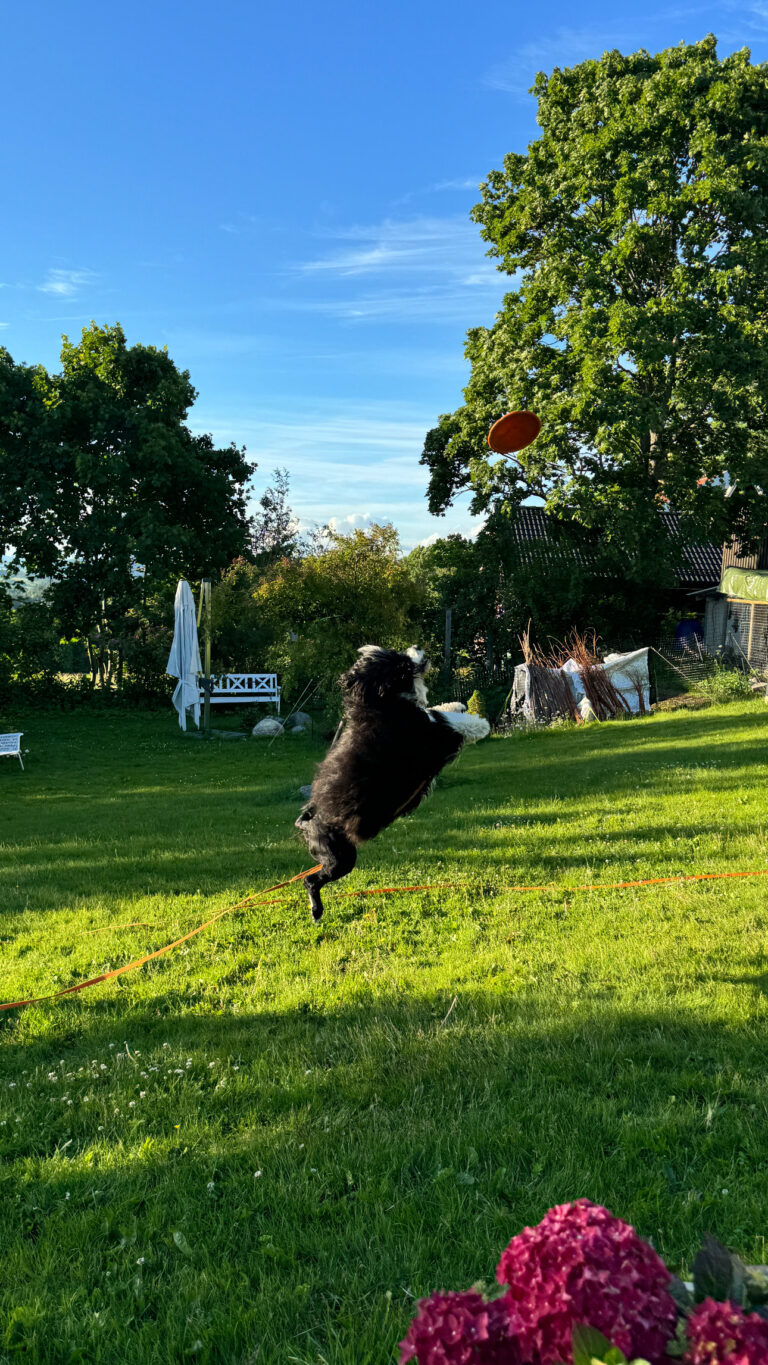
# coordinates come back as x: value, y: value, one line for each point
x: 736, y: 615
x: 736, y: 608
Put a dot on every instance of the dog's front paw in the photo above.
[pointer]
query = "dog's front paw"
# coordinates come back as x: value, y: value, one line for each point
x: 480, y: 729
x: 471, y: 728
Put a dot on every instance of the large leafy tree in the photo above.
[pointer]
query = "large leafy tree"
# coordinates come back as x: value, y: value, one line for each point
x: 635, y: 228
x: 117, y: 493
x: 31, y: 477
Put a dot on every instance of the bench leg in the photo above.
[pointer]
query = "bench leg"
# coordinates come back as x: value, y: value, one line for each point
x: 19, y: 758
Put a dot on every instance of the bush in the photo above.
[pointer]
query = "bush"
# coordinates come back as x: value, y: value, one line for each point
x: 476, y: 704
x: 725, y: 683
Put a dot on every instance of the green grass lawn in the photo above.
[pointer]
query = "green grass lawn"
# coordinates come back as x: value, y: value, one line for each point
x: 261, y: 1147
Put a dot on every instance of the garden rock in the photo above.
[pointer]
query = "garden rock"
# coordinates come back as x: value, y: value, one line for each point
x: 298, y: 721
x: 305, y: 792
x: 267, y: 728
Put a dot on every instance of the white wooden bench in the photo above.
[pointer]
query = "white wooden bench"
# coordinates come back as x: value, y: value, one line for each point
x: 244, y: 688
x: 10, y: 746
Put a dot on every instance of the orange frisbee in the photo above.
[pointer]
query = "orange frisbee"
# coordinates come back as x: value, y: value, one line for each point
x: 514, y: 431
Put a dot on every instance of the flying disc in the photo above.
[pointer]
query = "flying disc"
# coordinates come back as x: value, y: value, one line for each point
x: 514, y: 431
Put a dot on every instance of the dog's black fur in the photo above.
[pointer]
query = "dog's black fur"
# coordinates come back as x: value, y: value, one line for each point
x: 389, y: 752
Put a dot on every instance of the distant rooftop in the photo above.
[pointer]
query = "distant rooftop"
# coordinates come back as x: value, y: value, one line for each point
x: 700, y: 565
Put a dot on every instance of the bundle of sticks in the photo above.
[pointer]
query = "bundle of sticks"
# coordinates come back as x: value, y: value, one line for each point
x: 551, y: 692
x: 603, y: 697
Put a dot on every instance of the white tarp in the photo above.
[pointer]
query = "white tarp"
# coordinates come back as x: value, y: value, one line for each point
x: 184, y: 659
x: 628, y: 673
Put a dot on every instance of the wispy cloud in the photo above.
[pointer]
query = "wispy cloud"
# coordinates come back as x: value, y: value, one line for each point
x: 65, y: 284
x: 460, y: 185
x: 565, y: 47
x: 416, y: 245
x: 415, y: 269
x: 343, y: 456
x: 462, y: 303
x: 745, y: 24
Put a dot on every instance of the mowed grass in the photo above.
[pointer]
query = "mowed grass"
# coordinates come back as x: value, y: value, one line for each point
x: 263, y: 1146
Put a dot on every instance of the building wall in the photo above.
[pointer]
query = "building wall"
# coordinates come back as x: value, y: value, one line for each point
x: 734, y: 559
x: 738, y: 628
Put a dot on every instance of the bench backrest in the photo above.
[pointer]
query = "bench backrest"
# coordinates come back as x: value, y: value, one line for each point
x: 10, y: 744
x: 249, y: 684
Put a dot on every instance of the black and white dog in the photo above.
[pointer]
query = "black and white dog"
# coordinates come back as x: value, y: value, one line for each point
x: 390, y: 751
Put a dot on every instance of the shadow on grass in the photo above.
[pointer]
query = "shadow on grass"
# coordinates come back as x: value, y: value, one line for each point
x: 401, y: 1141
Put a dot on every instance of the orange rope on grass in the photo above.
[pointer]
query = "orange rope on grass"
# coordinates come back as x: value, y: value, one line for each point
x: 370, y: 891
x: 159, y: 952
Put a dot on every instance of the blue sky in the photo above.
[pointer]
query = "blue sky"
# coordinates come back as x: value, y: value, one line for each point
x: 280, y: 194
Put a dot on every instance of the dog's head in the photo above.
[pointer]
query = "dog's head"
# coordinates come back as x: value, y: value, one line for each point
x: 382, y: 675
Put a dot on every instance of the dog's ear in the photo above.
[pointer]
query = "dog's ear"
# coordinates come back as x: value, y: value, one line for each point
x: 376, y: 675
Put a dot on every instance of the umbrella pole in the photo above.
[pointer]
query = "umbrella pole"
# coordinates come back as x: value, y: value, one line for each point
x: 207, y: 704
x: 205, y: 612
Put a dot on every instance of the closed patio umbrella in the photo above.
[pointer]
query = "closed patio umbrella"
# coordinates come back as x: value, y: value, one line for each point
x: 184, y: 659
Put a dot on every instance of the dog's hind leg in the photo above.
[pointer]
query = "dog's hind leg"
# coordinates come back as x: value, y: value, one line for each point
x: 337, y: 854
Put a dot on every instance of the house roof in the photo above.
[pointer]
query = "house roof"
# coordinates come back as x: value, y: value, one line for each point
x: 700, y: 564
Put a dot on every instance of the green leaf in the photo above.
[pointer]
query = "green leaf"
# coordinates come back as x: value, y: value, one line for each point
x: 590, y: 1347
x: 182, y: 1244
x: 716, y: 1273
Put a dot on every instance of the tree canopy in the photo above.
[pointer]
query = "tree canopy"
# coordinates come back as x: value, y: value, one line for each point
x: 322, y: 607
x: 635, y: 230
x: 102, y: 483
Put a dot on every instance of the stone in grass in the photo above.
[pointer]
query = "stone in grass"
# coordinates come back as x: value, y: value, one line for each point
x: 267, y: 727
x: 298, y: 721
x: 298, y: 730
x: 305, y: 792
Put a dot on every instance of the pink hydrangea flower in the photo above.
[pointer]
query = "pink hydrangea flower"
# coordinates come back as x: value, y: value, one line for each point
x: 460, y: 1329
x: 582, y: 1265
x: 723, y: 1334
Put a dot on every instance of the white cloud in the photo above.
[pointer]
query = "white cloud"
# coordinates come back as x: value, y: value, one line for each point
x: 565, y: 47
x: 460, y: 303
x: 354, y: 521
x: 415, y: 270
x: 469, y: 183
x: 432, y: 246
x: 341, y: 454
x: 65, y: 284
